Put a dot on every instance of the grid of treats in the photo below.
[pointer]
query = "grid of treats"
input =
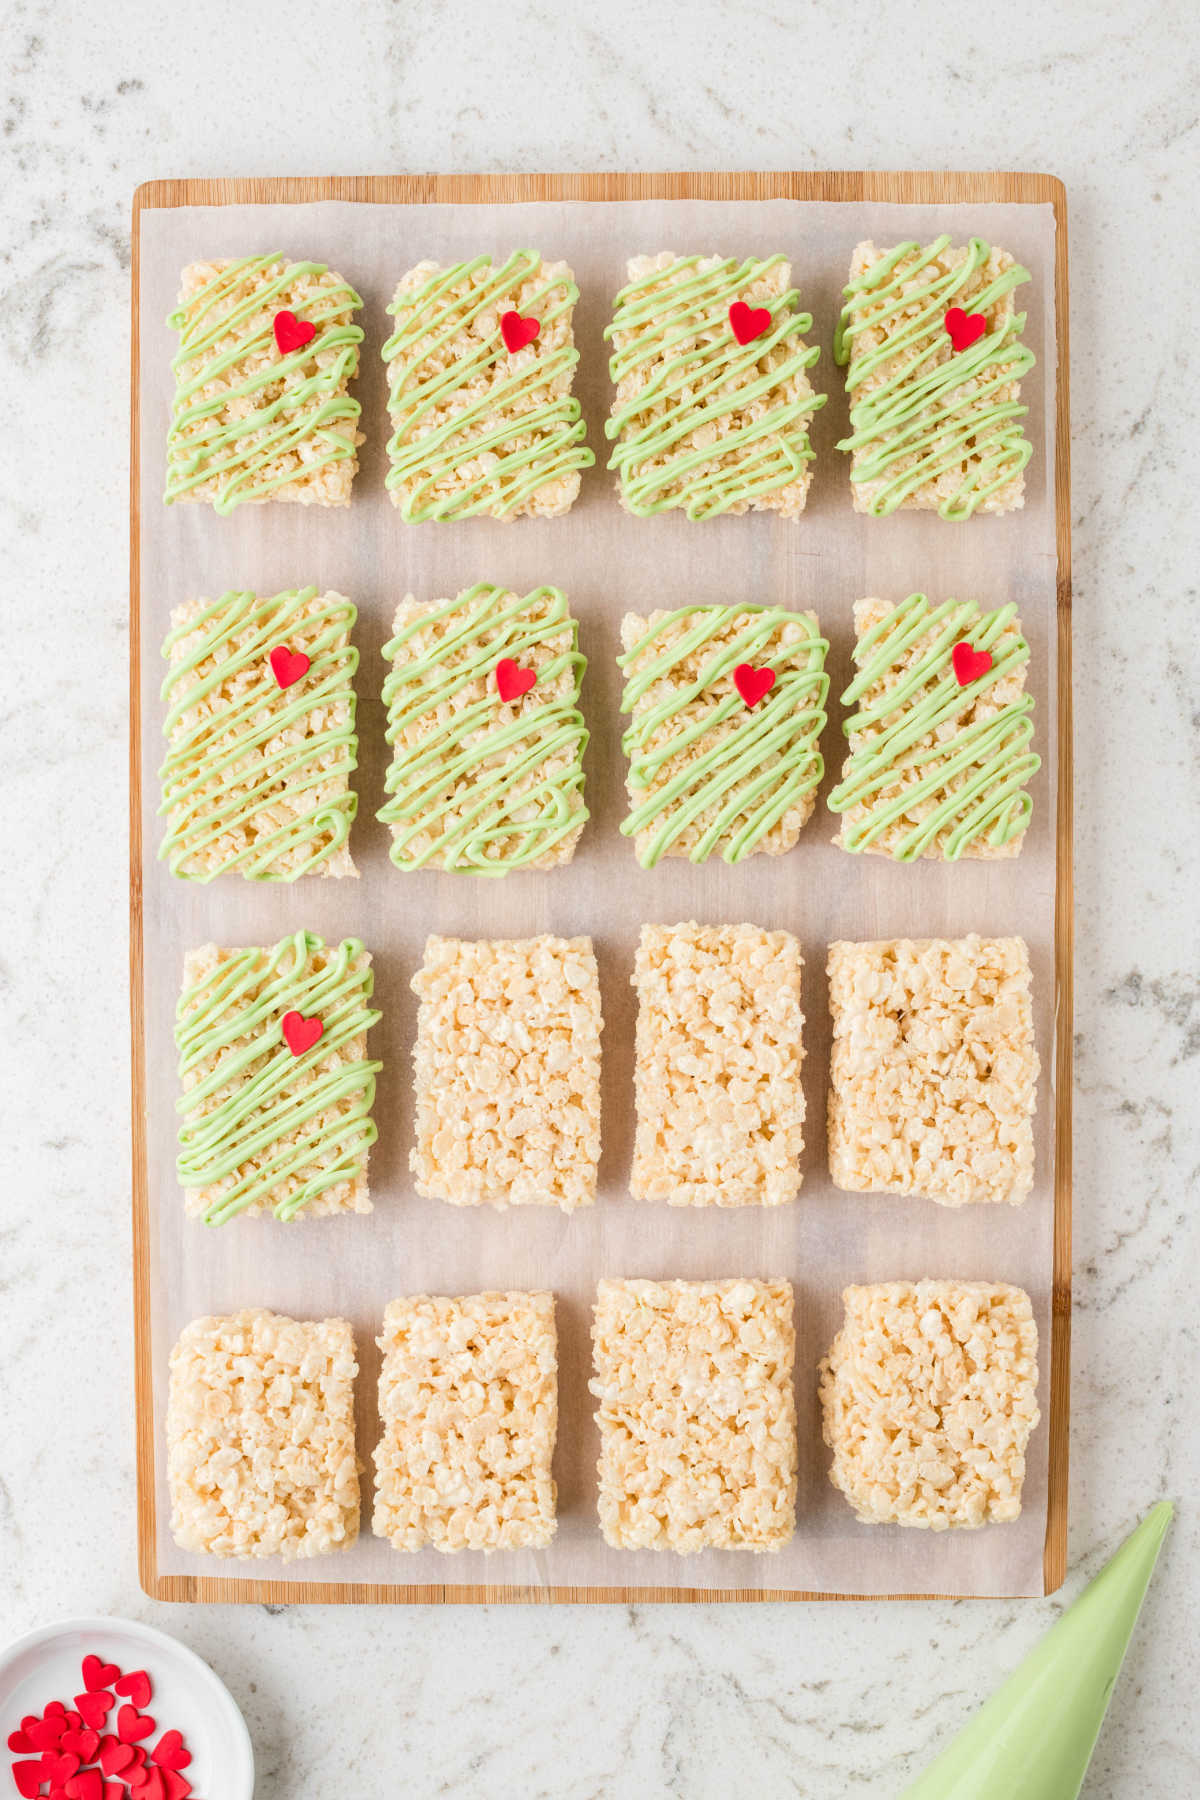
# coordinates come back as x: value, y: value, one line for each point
x: 260, y: 1436
x: 480, y: 368
x: 696, y: 1414
x: 933, y: 1073
x: 262, y: 408
x: 468, y: 1399
x: 277, y: 1088
x: 486, y: 733
x: 727, y: 706
x: 507, y: 1072
x: 719, y: 1101
x: 932, y: 345
x: 713, y: 398
x: 261, y: 738
x: 929, y: 1398
x: 939, y: 744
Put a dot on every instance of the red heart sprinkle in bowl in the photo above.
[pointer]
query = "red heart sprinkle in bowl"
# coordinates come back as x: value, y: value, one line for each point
x: 171, y: 1752
x: 95, y: 1707
x: 132, y: 1725
x: 98, y: 1675
x: 135, y: 1686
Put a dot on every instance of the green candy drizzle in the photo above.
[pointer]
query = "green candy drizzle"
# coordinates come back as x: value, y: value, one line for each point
x: 424, y: 454
x: 240, y: 998
x: 311, y: 411
x: 755, y: 773
x: 708, y: 376
x: 199, y: 819
x: 979, y: 769
x: 493, y: 746
x: 922, y: 409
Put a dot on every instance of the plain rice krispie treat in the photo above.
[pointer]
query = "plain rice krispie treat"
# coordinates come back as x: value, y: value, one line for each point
x: 486, y: 732
x: 933, y: 344
x: 260, y: 1436
x: 713, y: 398
x: 939, y: 756
x: 933, y: 1075
x: 468, y: 1397
x: 483, y: 419
x: 277, y: 1089
x: 929, y: 1398
x: 720, y: 1107
x: 727, y: 706
x: 507, y: 1063
x: 262, y: 411
x: 260, y: 724
x: 697, y: 1419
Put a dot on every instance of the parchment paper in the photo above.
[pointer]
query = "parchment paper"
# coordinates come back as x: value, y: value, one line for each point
x: 608, y: 563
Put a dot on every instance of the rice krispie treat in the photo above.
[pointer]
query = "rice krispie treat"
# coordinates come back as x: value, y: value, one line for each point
x: 929, y: 1398
x: 507, y: 1063
x: 727, y: 706
x: 933, y: 346
x: 697, y: 1420
x: 468, y: 1397
x: 260, y: 724
x: 939, y: 755
x: 277, y: 1089
x: 262, y: 411
x: 487, y: 736
x: 713, y: 398
x: 720, y: 1107
x: 933, y: 1073
x: 260, y: 1436
x: 480, y: 368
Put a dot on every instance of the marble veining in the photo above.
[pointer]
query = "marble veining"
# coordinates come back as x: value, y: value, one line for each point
x: 819, y: 1702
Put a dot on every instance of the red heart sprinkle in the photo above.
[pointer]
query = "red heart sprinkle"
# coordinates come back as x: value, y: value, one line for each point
x: 114, y: 1755
x: 749, y: 322
x: 287, y: 666
x: 95, y: 1707
x: 753, y: 683
x: 28, y: 1777
x: 178, y: 1786
x: 135, y: 1686
x: 963, y: 327
x: 516, y: 331
x: 60, y: 1768
x: 85, y: 1743
x: 131, y: 1724
x: 98, y: 1675
x: 170, y: 1751
x: 149, y: 1784
x: 55, y: 1706
x: 44, y: 1734
x: 511, y: 680
x: 299, y: 1033
x: 969, y: 664
x: 292, y: 333
x: 20, y: 1743
x: 87, y: 1785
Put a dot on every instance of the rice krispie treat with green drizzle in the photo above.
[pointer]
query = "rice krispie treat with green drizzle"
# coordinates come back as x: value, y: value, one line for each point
x: 277, y: 1088
x: 713, y: 397
x: 727, y: 706
x: 929, y: 1399
x: 468, y: 1400
x: 932, y: 341
x: 480, y: 368
x: 940, y: 753
x: 486, y: 732
x: 262, y: 410
x: 260, y: 724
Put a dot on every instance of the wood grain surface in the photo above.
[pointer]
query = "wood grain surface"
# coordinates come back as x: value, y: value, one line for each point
x: 910, y: 187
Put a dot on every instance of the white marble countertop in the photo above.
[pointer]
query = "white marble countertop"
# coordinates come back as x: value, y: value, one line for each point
x: 821, y: 1701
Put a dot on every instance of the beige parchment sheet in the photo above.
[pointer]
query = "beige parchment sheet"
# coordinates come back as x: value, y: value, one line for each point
x: 608, y: 563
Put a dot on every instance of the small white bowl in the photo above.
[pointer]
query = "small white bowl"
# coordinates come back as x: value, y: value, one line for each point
x: 47, y: 1665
